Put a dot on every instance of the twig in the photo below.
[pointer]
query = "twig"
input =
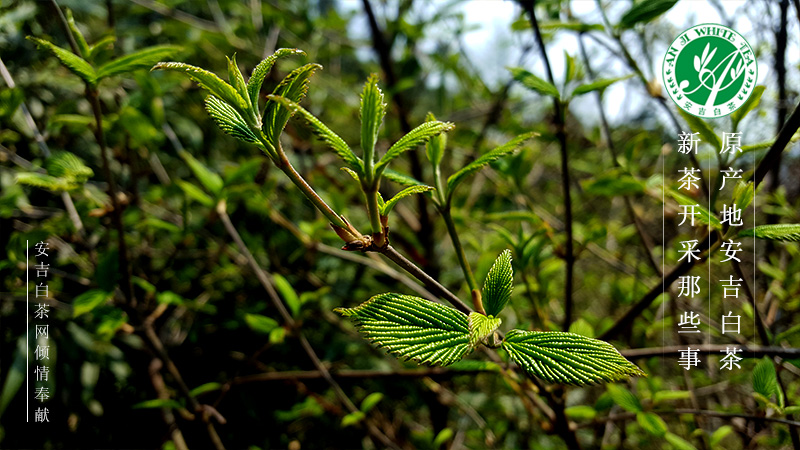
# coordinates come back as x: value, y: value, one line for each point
x: 356, y: 375
x: 166, y: 413
x: 569, y: 257
x: 774, y: 153
x: 429, y: 282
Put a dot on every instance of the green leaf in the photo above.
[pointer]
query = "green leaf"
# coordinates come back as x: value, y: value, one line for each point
x: 293, y: 87
x: 569, y: 67
x: 372, y: 111
x: 277, y: 335
x: 651, y: 423
x: 533, y: 82
x: 414, y: 138
x: 370, y: 401
x: 195, y: 193
x: 141, y: 59
x: 509, y: 147
x: 68, y: 166
x: 210, y: 82
x: 336, y: 143
x: 560, y: 357
x: 71, y: 61
x: 262, y: 69
x: 778, y: 232
x: 678, y: 443
x: 352, y: 418
x: 287, y: 293
x: 434, y: 148
x: 481, y: 326
x: 719, y: 434
x: 664, y: 396
x: 597, y: 85
x: 236, y: 79
x: 170, y: 298
x: 699, y: 125
x: 411, y: 190
x: 442, y: 437
x: 228, y: 119
x: 260, y: 324
x: 203, y: 388
x: 210, y: 180
x: 498, y: 284
x: 750, y: 104
x: 401, y: 178
x: 80, y: 40
x: 88, y: 301
x: 413, y: 328
x: 765, y: 380
x: 99, y: 45
x: 43, y: 181
x: 645, y: 11
x: 704, y: 215
x: 580, y: 412
x: 624, y: 398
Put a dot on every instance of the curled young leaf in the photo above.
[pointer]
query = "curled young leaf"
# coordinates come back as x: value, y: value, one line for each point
x: 293, y: 87
x: 498, y: 285
x: 481, y: 326
x: 372, y: 111
x: 414, y: 138
x: 210, y: 82
x: 262, y: 69
x: 411, y: 190
x: 228, y: 119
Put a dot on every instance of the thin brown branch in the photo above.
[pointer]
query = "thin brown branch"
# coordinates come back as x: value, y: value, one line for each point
x: 430, y: 283
x: 355, y: 375
x: 166, y: 413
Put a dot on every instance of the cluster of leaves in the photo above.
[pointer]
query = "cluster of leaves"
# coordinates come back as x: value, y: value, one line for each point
x: 429, y: 333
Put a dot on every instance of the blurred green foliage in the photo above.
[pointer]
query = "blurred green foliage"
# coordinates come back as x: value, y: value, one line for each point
x: 195, y: 290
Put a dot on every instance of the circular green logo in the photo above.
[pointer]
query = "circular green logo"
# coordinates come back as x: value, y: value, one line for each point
x: 709, y: 71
